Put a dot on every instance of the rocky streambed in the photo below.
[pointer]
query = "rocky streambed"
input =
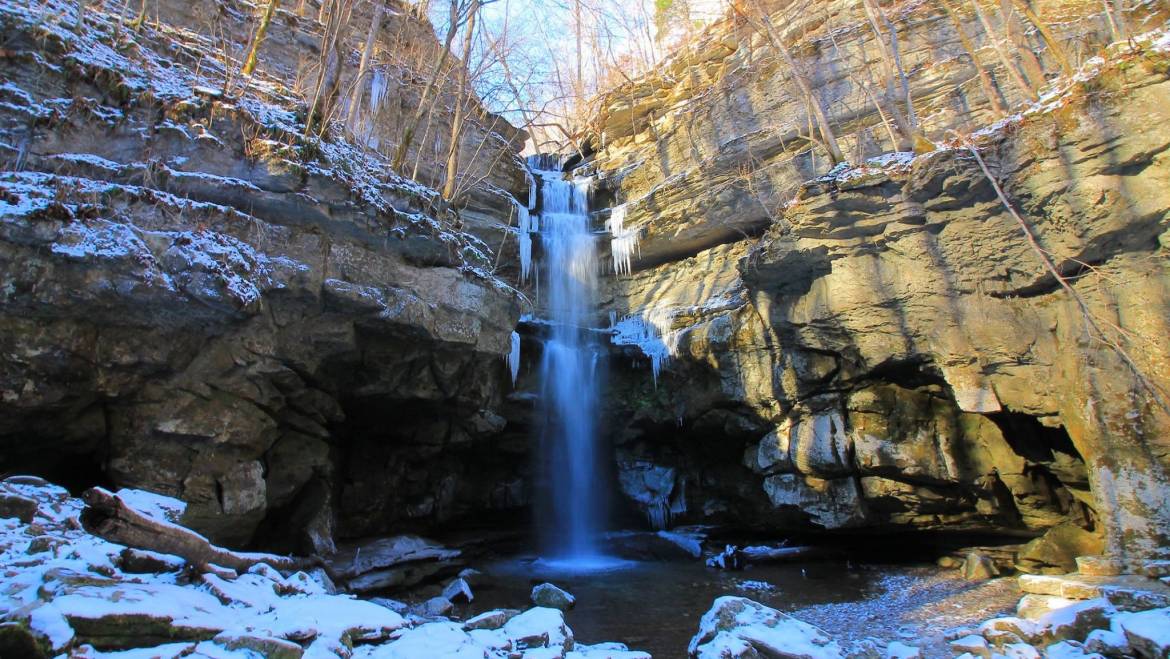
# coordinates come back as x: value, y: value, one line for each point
x: 67, y: 592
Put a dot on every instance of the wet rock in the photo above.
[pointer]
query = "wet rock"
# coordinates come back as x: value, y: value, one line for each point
x: 739, y: 627
x: 548, y: 595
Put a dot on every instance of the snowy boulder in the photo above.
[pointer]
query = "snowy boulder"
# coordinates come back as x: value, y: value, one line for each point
x: 552, y: 597
x: 739, y: 627
x: 17, y: 506
x: 1074, y: 622
x: 494, y: 619
x: 1148, y: 632
x: 896, y: 650
x: 972, y: 644
x: 265, y: 646
x: 457, y: 590
x: 539, y: 627
x: 1020, y: 651
x: 605, y: 651
x: 435, y: 607
x: 436, y: 639
x: 1069, y: 650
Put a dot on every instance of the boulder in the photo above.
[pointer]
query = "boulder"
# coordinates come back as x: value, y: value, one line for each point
x: 740, y: 627
x: 1075, y: 621
x: 548, y: 595
x: 972, y: 644
x: 1059, y: 548
x: 1148, y: 633
x: 978, y: 567
x: 458, y: 590
x: 539, y: 627
x: 899, y: 650
x: 490, y: 620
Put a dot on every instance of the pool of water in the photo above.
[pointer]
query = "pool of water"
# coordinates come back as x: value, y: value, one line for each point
x: 656, y: 606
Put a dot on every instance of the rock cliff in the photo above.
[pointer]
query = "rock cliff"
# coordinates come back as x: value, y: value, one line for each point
x: 880, y: 347
x: 203, y: 301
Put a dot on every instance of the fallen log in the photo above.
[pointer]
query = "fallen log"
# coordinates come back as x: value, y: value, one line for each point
x: 107, y: 516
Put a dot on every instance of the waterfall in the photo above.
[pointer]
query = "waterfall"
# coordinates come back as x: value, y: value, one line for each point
x: 573, y: 519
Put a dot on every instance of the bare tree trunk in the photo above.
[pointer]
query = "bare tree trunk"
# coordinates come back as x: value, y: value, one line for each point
x: 428, y: 91
x: 985, y: 79
x: 81, y: 6
x: 759, y: 20
x: 359, y: 85
x: 903, y: 122
x: 329, y: 74
x: 1055, y: 48
x: 258, y: 38
x: 1115, y: 14
x: 1031, y: 65
x: 1004, y: 56
x: 107, y: 516
x: 139, y: 20
x: 449, y: 186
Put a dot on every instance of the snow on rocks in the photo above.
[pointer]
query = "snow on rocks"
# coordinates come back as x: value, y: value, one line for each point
x: 740, y: 627
x: 74, y: 597
x: 1148, y: 632
x: 546, y: 594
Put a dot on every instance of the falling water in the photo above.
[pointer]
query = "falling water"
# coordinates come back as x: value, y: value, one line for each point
x: 569, y: 372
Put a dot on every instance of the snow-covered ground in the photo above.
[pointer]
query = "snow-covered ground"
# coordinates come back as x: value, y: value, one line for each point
x: 70, y: 593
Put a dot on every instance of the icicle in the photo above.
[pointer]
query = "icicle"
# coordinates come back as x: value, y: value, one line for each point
x: 652, y: 331
x: 531, y: 190
x: 513, y: 357
x: 624, y: 242
x: 526, y: 228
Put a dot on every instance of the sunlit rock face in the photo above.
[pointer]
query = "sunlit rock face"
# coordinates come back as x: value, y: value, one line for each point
x: 887, y: 350
x: 199, y: 301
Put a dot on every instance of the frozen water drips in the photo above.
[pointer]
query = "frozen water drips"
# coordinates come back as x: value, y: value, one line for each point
x: 623, y: 242
x: 513, y: 357
x: 527, y: 226
x: 652, y: 331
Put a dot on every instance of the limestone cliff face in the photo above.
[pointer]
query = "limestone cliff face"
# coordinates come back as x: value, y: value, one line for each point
x: 200, y: 301
x: 886, y: 350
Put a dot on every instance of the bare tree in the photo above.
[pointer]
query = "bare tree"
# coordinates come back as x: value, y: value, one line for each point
x: 1005, y: 57
x: 985, y: 79
x: 258, y: 37
x: 755, y: 16
x: 336, y: 17
x: 359, y: 85
x: 460, y: 94
x: 425, y: 103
